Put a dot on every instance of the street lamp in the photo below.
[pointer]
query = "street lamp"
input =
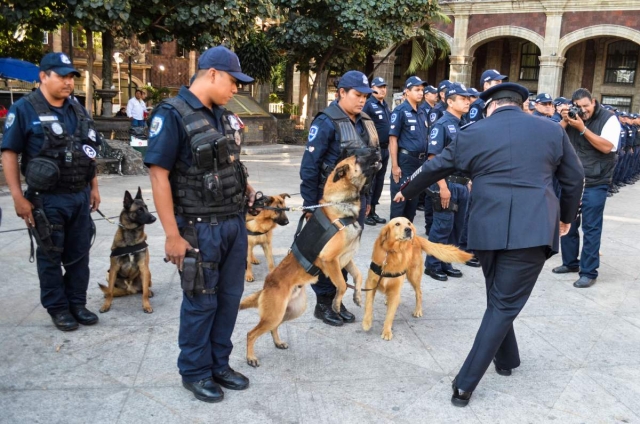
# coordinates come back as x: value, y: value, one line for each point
x: 117, y: 56
x: 161, y: 68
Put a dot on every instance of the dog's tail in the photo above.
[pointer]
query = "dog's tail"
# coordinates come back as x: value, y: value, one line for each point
x: 444, y: 252
x: 251, y: 301
x: 117, y: 292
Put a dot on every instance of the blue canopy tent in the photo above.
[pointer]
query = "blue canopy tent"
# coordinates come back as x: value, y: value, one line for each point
x: 19, y: 70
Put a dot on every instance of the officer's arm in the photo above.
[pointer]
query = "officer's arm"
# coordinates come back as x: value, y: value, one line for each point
x: 312, y: 160
x: 431, y: 171
x: 395, y: 128
x: 437, y: 139
x: 12, y: 175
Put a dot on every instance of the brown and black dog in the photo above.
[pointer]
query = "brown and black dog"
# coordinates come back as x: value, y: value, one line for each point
x: 129, y: 270
x: 260, y: 230
x: 397, y: 253
x: 283, y: 296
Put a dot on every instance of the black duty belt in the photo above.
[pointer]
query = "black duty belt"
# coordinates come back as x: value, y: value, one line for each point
x: 213, y: 219
x: 458, y: 179
x: 417, y: 155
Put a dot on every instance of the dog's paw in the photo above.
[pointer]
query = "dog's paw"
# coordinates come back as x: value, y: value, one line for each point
x: 253, y: 362
x: 105, y: 309
x: 255, y: 261
x: 357, y: 298
x: 249, y: 278
x: 282, y: 345
x: 417, y: 313
x: 387, y: 335
x: 366, y: 324
x: 147, y: 310
x: 386, y: 302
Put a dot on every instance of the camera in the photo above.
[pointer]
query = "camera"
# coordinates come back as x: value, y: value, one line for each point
x: 574, y: 111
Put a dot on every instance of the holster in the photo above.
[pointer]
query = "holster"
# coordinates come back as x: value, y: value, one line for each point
x: 192, y: 275
x: 43, y: 228
x: 437, y: 204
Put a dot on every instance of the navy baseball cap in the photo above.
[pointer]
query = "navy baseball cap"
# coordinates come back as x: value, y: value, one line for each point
x: 443, y: 85
x: 473, y: 92
x: 543, y: 98
x: 378, y: 82
x: 491, y: 75
x: 58, y: 63
x: 430, y: 89
x: 624, y: 114
x: 356, y: 80
x: 561, y: 101
x: 504, y: 90
x: 223, y: 59
x: 457, y: 89
x: 413, y: 81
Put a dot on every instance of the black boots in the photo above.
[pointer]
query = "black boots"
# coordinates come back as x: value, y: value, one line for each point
x: 325, y: 312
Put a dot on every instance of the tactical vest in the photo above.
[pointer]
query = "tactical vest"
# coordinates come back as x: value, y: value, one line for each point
x: 598, y: 166
x: 65, y: 163
x: 214, y: 184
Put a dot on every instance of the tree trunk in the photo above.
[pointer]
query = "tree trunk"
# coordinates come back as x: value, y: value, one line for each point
x: 90, y: 57
x: 107, y: 64
x: 288, y: 82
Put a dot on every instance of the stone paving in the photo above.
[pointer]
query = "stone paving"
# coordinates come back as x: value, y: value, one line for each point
x: 580, y: 349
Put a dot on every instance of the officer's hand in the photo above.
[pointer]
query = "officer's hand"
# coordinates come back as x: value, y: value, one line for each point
x: 24, y: 209
x: 399, y: 197
x: 94, y: 199
x: 396, y: 173
x: 307, y: 215
x: 366, y: 212
x: 445, y: 197
x: 251, y: 195
x: 564, y: 228
x: 175, y: 249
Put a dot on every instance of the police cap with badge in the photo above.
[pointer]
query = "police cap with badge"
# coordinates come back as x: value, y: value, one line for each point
x: 58, y: 63
x: 503, y: 91
x: 413, y: 82
x: 430, y: 89
x: 457, y: 89
x: 491, y: 75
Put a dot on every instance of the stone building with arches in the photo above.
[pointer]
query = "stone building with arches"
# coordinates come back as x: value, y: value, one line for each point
x: 551, y: 46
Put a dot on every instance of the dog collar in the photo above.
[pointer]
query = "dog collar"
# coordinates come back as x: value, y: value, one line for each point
x: 254, y: 233
x: 377, y: 269
x: 128, y: 250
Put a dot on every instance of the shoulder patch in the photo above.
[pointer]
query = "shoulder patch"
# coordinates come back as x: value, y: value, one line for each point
x: 432, y: 117
x: 156, y: 126
x: 434, y: 133
x: 473, y: 113
x: 394, y: 116
x: 313, y: 132
x: 10, y: 120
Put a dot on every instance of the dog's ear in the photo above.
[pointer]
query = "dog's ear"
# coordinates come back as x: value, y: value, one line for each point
x: 284, y: 195
x: 128, y: 200
x: 384, y: 234
x: 269, y: 200
x: 139, y: 194
x: 340, y: 172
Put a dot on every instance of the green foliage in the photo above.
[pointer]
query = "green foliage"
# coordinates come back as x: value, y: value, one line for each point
x: 30, y: 48
x: 258, y: 56
x: 156, y: 95
x: 273, y: 98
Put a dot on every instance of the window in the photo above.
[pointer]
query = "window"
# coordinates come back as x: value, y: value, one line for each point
x: 622, y: 103
x: 156, y: 48
x: 79, y: 38
x: 529, y: 62
x: 622, y: 61
x: 45, y: 37
x: 181, y: 52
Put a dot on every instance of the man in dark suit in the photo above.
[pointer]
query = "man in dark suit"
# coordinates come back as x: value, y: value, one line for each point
x: 515, y: 218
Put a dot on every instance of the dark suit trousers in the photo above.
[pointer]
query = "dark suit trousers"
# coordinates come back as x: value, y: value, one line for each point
x: 509, y: 276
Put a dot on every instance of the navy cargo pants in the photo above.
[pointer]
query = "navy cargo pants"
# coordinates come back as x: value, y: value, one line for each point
x: 70, y: 215
x: 207, y: 320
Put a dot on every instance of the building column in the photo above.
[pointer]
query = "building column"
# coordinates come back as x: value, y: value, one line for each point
x: 460, y: 69
x: 385, y: 71
x: 57, y: 40
x: 550, y: 78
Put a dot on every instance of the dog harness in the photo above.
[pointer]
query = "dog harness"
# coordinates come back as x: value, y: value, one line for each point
x: 314, y: 236
x: 129, y: 250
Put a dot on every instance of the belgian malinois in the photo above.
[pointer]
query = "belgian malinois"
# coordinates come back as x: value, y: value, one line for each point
x: 260, y: 230
x: 129, y: 270
x: 283, y: 296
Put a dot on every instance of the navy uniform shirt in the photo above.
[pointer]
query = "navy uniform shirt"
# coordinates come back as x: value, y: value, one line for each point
x: 426, y: 107
x: 323, y: 147
x: 380, y: 113
x: 631, y: 135
x: 623, y: 136
x: 168, y: 141
x: 23, y: 132
x: 443, y: 133
x: 436, y: 112
x: 556, y: 117
x: 635, y: 135
x: 475, y: 112
x: 410, y: 126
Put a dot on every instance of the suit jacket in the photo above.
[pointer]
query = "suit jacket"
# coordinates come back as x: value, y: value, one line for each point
x: 511, y: 158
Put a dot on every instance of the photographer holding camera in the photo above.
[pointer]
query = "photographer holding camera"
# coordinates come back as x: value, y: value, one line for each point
x: 594, y: 132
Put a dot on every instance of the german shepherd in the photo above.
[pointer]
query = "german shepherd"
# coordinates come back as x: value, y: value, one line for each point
x: 283, y: 296
x: 398, y: 253
x: 129, y: 270
x: 262, y: 226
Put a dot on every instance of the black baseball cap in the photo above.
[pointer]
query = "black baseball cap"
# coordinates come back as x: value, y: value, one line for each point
x: 504, y: 90
x: 58, y: 63
x: 223, y: 59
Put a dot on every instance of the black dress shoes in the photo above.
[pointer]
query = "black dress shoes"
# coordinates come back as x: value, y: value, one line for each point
x: 376, y: 218
x: 83, y: 315
x: 205, y: 390
x: 346, y: 315
x: 584, y: 282
x: 460, y: 398
x: 454, y: 273
x: 369, y: 220
x: 64, y: 321
x: 564, y: 269
x: 325, y: 312
x: 436, y: 275
x: 231, y: 379
x: 473, y: 262
x: 502, y: 371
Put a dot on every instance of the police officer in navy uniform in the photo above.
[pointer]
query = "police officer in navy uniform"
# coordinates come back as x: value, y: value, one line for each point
x: 407, y: 144
x: 449, y: 196
x: 200, y: 189
x: 544, y: 106
x: 488, y: 79
x: 430, y: 99
x: 475, y: 108
x: 336, y: 133
x: 378, y: 110
x: 559, y: 104
x: 438, y: 110
x: 515, y: 217
x: 58, y: 142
